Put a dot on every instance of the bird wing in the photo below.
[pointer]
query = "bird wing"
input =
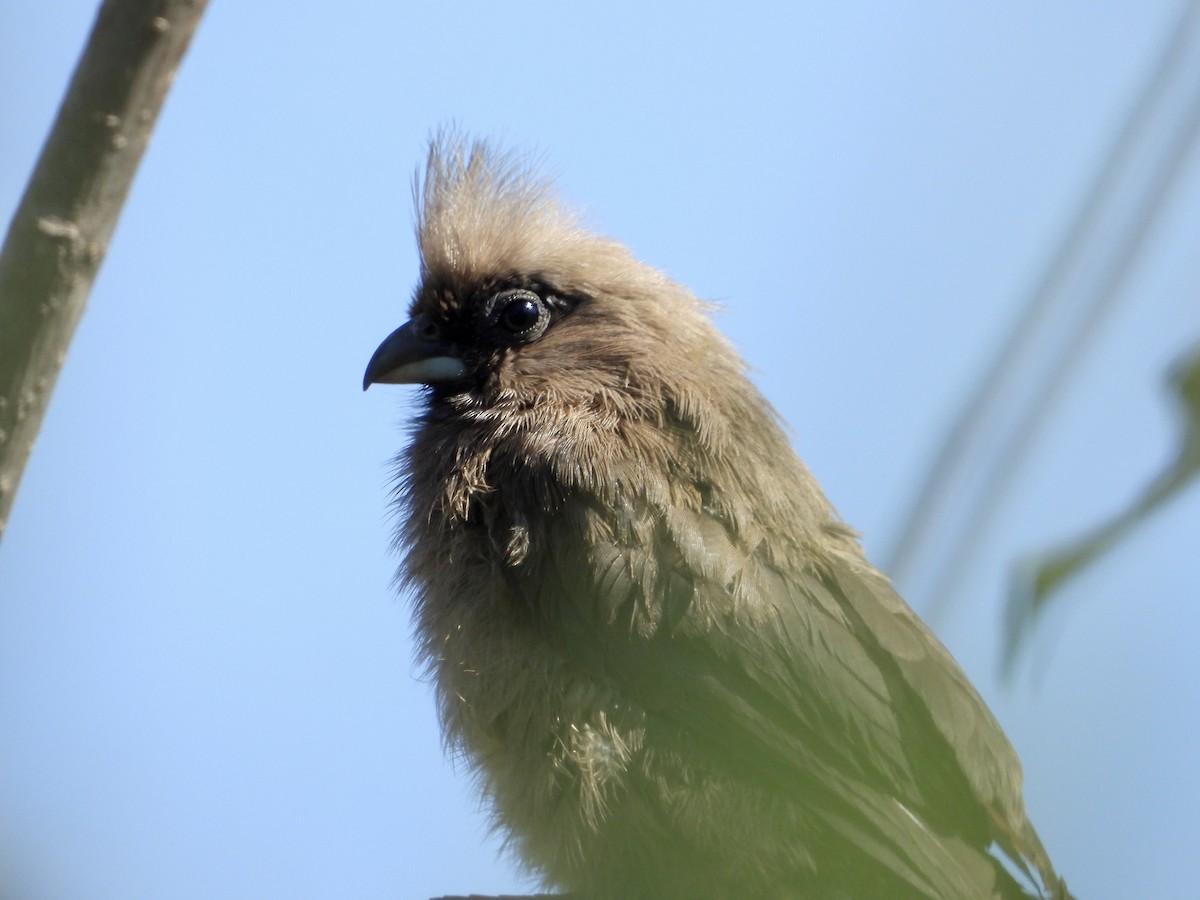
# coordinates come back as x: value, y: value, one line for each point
x: 820, y: 684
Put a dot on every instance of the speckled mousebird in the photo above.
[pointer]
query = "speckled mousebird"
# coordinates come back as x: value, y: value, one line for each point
x: 657, y: 646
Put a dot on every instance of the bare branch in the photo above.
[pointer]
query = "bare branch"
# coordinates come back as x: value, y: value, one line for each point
x: 61, y: 229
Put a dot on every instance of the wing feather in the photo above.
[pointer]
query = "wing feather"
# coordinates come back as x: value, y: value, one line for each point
x: 820, y: 685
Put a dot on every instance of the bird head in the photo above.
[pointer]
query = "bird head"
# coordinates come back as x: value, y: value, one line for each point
x: 519, y: 304
x: 552, y: 354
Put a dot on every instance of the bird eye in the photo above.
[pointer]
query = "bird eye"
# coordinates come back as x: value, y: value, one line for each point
x: 521, y: 313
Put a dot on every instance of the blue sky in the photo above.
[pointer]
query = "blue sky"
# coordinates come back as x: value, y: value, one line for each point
x: 206, y: 681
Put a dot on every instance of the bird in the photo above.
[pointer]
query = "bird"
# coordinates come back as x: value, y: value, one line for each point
x: 658, y: 649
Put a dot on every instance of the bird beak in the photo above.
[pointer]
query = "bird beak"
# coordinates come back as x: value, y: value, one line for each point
x: 413, y: 354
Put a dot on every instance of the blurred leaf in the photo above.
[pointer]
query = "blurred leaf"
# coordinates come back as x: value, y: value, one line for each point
x: 1085, y: 278
x: 1038, y: 579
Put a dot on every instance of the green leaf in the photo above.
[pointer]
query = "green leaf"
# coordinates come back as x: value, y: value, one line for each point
x: 1038, y: 579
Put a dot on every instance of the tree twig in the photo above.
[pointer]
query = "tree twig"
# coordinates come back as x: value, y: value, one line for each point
x: 61, y: 229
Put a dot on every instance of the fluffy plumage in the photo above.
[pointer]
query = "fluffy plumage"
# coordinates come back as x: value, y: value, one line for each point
x: 663, y: 654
